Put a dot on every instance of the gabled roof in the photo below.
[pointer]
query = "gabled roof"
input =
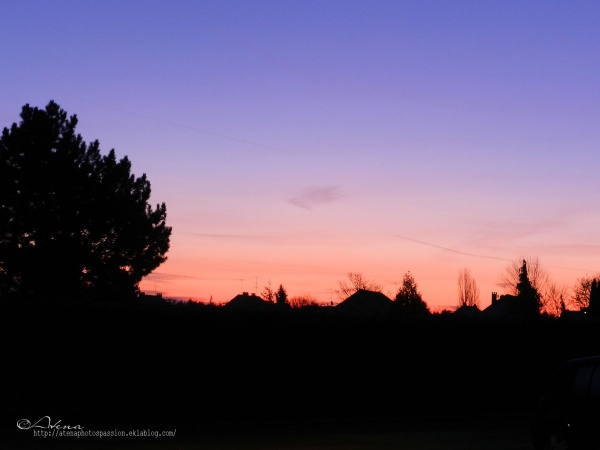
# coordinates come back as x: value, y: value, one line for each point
x: 366, y: 302
x: 507, y: 306
x: 248, y: 302
x: 467, y: 311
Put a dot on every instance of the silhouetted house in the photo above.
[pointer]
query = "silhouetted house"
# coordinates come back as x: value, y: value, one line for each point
x: 248, y: 302
x: 365, y: 302
x: 467, y: 311
x: 507, y: 306
x: 151, y: 299
x: 573, y: 315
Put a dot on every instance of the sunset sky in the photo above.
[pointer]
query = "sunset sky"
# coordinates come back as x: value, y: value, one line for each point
x: 297, y: 141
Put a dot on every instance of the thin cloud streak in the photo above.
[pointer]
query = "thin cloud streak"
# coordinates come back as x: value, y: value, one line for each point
x: 314, y: 196
x: 481, y: 256
x: 249, y: 237
x: 592, y: 249
x: 167, y: 277
x: 188, y: 127
x: 451, y: 249
x: 512, y: 231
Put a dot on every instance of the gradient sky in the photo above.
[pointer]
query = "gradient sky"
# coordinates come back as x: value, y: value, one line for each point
x: 297, y: 141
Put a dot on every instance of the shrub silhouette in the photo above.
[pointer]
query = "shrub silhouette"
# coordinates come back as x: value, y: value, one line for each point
x: 408, y: 299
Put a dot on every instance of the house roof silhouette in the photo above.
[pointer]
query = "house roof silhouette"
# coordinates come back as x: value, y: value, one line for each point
x: 506, y: 306
x: 248, y: 302
x: 467, y: 311
x: 365, y: 302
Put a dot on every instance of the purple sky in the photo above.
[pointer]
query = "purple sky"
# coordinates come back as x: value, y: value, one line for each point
x: 297, y: 141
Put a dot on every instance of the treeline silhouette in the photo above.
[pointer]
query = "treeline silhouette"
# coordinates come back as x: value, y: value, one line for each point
x: 192, y: 364
x: 77, y: 235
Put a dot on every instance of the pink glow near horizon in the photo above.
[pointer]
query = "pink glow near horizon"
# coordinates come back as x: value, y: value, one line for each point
x: 318, y: 276
x: 294, y: 142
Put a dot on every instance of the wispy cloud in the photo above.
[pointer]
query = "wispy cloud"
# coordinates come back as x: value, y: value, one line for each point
x: 233, y: 236
x: 577, y: 248
x: 166, y: 277
x: 511, y: 230
x: 313, y: 196
x: 239, y: 237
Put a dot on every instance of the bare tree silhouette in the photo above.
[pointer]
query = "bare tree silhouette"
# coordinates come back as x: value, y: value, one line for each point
x: 536, y: 275
x: 580, y: 298
x: 468, y: 292
x: 356, y: 281
x: 302, y: 301
x: 267, y: 294
x: 556, y: 299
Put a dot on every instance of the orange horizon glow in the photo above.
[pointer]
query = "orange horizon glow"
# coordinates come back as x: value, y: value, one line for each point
x: 221, y: 279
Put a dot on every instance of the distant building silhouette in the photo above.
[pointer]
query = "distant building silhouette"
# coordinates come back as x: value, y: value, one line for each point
x: 574, y: 315
x: 365, y: 302
x: 152, y: 299
x: 507, y: 306
x: 248, y: 302
x: 467, y: 311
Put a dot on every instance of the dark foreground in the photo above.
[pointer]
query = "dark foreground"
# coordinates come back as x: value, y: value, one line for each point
x: 507, y: 432
x: 277, y: 380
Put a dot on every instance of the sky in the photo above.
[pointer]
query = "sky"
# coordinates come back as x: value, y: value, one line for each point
x: 294, y: 142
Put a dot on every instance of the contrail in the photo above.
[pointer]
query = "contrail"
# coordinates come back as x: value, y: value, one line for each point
x: 187, y: 127
x: 451, y: 249
x: 481, y: 256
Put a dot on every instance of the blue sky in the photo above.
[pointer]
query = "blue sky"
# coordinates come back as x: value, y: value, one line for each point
x: 296, y: 141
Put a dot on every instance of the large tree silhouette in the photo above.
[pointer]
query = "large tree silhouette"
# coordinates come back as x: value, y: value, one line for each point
x: 73, y: 223
x: 594, y: 303
x: 281, y: 297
